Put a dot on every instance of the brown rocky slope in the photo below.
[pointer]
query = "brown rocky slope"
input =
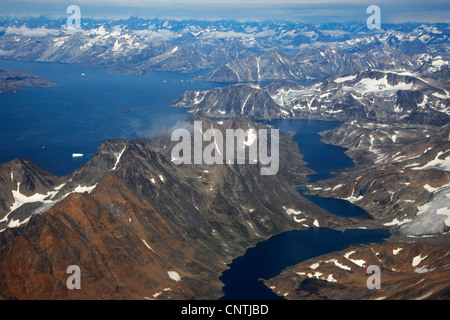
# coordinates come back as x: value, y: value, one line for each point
x: 141, y: 227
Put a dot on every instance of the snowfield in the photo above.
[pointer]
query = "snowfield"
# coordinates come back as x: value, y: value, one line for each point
x: 372, y: 85
x: 432, y: 218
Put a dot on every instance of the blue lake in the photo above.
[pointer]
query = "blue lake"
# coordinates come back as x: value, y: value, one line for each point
x: 324, y: 159
x: 268, y: 258
x: 48, y: 125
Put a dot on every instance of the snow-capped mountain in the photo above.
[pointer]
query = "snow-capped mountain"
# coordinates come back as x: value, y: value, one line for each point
x: 376, y: 95
x: 139, y: 45
x: 240, y: 99
x: 310, y: 64
x: 385, y: 96
x: 402, y: 174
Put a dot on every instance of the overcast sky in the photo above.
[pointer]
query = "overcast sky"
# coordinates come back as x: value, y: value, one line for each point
x: 316, y: 11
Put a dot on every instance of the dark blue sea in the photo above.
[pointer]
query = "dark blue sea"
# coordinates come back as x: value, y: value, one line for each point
x: 48, y: 125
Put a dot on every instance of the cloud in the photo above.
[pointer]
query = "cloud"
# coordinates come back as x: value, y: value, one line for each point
x: 310, y: 11
x: 233, y: 34
x: 38, y: 32
x: 160, y: 129
x: 147, y: 3
x: 6, y: 53
x: 160, y: 35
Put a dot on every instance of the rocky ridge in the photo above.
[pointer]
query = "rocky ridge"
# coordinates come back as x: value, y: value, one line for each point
x: 382, y: 96
x: 410, y: 271
x: 398, y: 169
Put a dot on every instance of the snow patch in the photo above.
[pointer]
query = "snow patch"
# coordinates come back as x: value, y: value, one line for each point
x: 417, y: 260
x: 423, y: 270
x: 81, y: 189
x: 360, y: 263
x: 344, y: 79
x: 353, y: 199
x: 314, y: 266
x: 146, y: 244
x: 330, y: 278
x: 299, y: 220
x: 424, y: 296
x: 174, y: 275
x: 396, y: 222
x: 338, y: 264
x: 436, y: 163
x: 429, y: 188
x: 292, y: 211
x: 118, y: 159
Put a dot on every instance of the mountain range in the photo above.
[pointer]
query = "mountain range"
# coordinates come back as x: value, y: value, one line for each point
x: 140, y: 46
x: 383, y: 96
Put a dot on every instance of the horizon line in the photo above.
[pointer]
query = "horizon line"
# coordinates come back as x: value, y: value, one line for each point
x: 147, y: 18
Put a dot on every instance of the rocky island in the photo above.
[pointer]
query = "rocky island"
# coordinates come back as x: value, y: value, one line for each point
x: 12, y: 80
